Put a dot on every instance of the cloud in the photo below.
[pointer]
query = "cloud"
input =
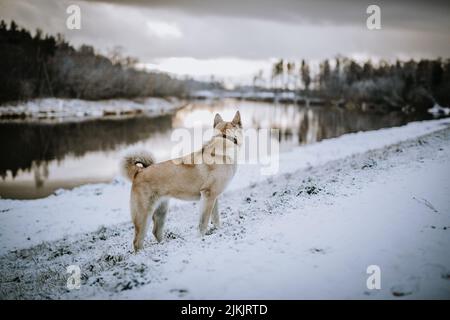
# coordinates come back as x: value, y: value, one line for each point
x: 163, y: 29
x: 410, y: 14
x: 157, y: 31
x: 226, y: 67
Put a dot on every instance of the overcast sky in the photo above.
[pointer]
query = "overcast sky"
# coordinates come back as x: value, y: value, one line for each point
x: 235, y: 38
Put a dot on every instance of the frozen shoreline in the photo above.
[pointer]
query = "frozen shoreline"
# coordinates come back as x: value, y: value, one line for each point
x: 352, y: 202
x: 56, y: 108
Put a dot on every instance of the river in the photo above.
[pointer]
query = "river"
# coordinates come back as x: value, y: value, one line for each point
x: 41, y: 157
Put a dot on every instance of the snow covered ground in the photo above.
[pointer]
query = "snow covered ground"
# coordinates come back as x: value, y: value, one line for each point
x: 336, y: 207
x: 54, y: 108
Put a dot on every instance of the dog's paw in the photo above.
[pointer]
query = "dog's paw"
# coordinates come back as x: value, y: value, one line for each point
x: 201, y: 230
x: 158, y: 236
x: 137, y: 245
x: 216, y: 224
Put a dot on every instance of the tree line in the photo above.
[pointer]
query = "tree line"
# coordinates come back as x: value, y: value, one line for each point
x: 417, y: 84
x: 38, y: 65
x: 33, y: 66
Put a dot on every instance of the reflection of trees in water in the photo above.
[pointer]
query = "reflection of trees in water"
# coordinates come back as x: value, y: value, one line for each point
x: 298, y: 124
x: 29, y: 146
x: 323, y: 123
x: 40, y: 171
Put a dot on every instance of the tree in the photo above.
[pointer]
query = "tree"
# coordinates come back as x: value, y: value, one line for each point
x: 13, y: 26
x: 437, y: 73
x: 258, y: 78
x: 290, y: 68
x: 324, y: 75
x: 277, y: 71
x: 367, y: 72
x: 306, y: 78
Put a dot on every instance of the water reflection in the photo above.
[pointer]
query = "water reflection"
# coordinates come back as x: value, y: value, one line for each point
x: 27, y: 146
x: 38, y: 158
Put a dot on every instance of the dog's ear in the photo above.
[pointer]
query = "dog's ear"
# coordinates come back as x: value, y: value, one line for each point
x: 217, y: 119
x: 237, y: 119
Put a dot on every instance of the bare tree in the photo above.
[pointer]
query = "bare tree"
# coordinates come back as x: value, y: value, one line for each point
x: 306, y: 77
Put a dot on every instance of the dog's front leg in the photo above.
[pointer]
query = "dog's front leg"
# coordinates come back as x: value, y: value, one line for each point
x: 207, y: 205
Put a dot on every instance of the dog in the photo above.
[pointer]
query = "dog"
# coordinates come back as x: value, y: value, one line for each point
x: 202, y: 175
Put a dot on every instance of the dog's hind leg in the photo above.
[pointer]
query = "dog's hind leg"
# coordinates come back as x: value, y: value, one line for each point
x: 141, y: 207
x: 215, y: 214
x: 207, y: 205
x: 159, y: 218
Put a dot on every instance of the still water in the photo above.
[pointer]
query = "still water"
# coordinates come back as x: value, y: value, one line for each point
x: 40, y: 157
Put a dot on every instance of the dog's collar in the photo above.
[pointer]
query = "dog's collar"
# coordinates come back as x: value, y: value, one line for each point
x: 232, y: 139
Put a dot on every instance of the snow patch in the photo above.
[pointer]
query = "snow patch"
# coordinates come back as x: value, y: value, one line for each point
x: 51, y: 108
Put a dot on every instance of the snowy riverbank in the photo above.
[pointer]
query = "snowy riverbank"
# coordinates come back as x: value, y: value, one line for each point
x: 336, y: 207
x: 54, y: 108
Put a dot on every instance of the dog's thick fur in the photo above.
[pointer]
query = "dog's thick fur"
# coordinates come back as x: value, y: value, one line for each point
x: 200, y: 175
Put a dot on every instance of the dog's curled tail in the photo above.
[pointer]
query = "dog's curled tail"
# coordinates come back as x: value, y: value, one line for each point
x: 135, y: 162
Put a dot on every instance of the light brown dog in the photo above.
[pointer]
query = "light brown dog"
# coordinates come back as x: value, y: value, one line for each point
x: 203, y: 175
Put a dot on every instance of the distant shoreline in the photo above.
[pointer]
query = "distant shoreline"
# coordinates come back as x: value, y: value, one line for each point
x: 77, y: 109
x: 62, y: 109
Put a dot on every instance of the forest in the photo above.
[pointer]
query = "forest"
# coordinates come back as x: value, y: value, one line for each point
x: 404, y: 84
x: 35, y: 66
